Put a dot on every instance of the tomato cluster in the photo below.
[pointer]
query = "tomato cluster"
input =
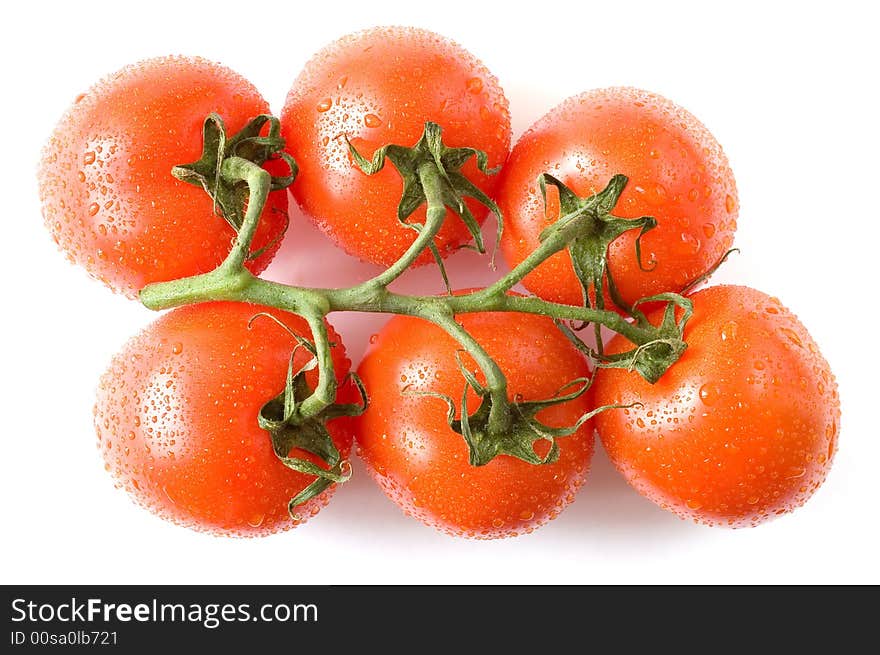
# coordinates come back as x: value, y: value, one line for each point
x: 741, y: 428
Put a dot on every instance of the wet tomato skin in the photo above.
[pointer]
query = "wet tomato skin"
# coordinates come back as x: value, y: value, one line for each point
x: 376, y: 87
x: 422, y: 465
x: 741, y: 429
x: 677, y: 173
x: 107, y: 193
x: 176, y: 419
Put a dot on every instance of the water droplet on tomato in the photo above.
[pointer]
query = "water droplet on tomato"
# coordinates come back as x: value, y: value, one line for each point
x: 89, y: 158
x: 792, y: 336
x: 324, y: 105
x: 168, y: 495
x: 374, y: 338
x: 497, y: 523
x: 830, y: 430
x: 474, y: 85
x: 526, y: 515
x: 654, y: 154
x: 177, y: 348
x: 693, y: 195
x: 729, y: 330
x: 709, y: 394
x: 752, y: 500
x: 795, y: 472
x: 693, y: 504
x: 729, y: 204
x: 709, y: 230
x: 689, y: 243
x: 256, y: 520
x: 371, y: 120
x: 93, y: 209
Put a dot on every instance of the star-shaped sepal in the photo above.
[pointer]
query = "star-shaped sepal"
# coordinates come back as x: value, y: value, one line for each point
x: 230, y: 193
x: 589, y: 227
x: 454, y: 186
x: 661, y: 345
x: 290, y: 430
x: 519, y: 431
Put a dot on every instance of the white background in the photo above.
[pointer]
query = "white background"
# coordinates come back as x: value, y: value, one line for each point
x: 789, y: 90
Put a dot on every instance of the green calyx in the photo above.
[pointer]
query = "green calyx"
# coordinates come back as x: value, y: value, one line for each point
x: 659, y: 347
x: 589, y: 227
x: 431, y: 174
x: 519, y: 431
x: 228, y: 190
x: 292, y: 429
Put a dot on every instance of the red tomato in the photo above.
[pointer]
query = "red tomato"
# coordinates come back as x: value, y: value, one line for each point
x: 377, y: 87
x: 677, y: 173
x: 742, y: 428
x: 176, y: 418
x: 422, y: 464
x: 106, y: 187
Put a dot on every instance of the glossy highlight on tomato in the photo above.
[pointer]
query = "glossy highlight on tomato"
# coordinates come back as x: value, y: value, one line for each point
x: 106, y: 188
x: 677, y: 173
x: 376, y: 87
x: 741, y: 429
x: 422, y: 464
x: 176, y: 418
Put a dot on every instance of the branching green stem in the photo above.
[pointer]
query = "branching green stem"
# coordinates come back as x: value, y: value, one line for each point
x: 496, y: 382
x: 313, y: 304
x: 259, y: 184
x: 548, y: 247
x: 325, y: 393
x: 296, y: 419
x: 436, y: 213
x: 232, y: 281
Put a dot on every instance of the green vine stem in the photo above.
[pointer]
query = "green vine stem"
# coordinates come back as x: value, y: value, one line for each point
x: 499, y: 419
x: 430, y: 172
x: 435, y: 215
x: 244, y: 287
x: 259, y: 182
x: 325, y: 392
